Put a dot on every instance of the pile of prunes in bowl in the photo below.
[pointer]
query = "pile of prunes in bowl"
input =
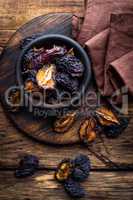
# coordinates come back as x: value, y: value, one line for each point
x: 53, y: 72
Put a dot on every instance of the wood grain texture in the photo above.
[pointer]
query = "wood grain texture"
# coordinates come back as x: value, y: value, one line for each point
x: 99, y: 186
x: 15, y: 13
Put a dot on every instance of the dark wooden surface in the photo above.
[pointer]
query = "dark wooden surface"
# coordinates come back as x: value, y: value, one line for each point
x: 102, y: 184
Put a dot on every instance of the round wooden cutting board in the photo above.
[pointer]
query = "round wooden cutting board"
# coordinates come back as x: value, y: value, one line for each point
x: 40, y: 129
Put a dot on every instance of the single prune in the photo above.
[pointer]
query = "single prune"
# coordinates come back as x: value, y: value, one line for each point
x: 74, y: 189
x: 83, y: 163
x: 87, y: 132
x: 106, y: 116
x: 29, y: 161
x: 45, y: 77
x: 14, y: 100
x: 70, y: 64
x: 114, y: 130
x: 63, y: 123
x: 64, y: 170
x: 66, y: 82
x: 28, y: 165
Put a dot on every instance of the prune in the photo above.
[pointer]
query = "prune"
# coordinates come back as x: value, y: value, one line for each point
x: 87, y: 132
x: 74, y: 189
x: 29, y: 161
x: 70, y: 64
x: 36, y: 58
x: 45, y: 77
x: 63, y: 123
x: 31, y: 86
x: 66, y: 82
x: 14, y: 100
x: 63, y: 171
x: 114, y: 130
x: 82, y: 162
x: 106, y: 116
x: 27, y: 166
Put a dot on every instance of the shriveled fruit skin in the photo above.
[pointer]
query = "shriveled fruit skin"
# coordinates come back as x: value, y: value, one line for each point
x: 70, y: 64
x: 64, y: 170
x: 28, y: 165
x: 87, y: 132
x: 65, y: 81
x: 114, y: 130
x: 63, y: 123
x: 74, y: 189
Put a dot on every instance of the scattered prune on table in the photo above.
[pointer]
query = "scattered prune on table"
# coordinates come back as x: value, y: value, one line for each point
x: 45, y: 77
x: 66, y: 82
x: 29, y: 161
x: 63, y: 123
x: 106, y: 116
x: 14, y: 100
x: 28, y: 165
x: 114, y: 130
x: 81, y: 169
x: 70, y: 64
x: 87, y: 131
x: 64, y: 170
x: 74, y: 189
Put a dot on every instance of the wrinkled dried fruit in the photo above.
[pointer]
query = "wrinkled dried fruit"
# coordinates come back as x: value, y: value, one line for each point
x: 45, y: 77
x: 74, y: 189
x: 64, y: 170
x: 106, y: 116
x: 65, y: 81
x: 35, y: 58
x: 114, y: 130
x: 27, y: 166
x: 14, y: 99
x: 31, y: 86
x: 81, y: 169
x: 87, y: 132
x: 65, y: 122
x: 70, y: 64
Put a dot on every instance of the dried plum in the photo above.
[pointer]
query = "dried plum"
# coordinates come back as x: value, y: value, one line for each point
x: 70, y: 64
x: 106, y: 116
x: 27, y: 166
x: 74, y: 189
x: 63, y: 123
x: 66, y: 82
x: 82, y: 162
x: 45, y: 77
x: 29, y: 161
x: 114, y: 130
x: 87, y: 131
x: 64, y: 170
x: 36, y: 58
x: 14, y: 100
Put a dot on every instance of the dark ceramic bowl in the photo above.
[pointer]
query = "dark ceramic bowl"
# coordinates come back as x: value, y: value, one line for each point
x: 48, y: 41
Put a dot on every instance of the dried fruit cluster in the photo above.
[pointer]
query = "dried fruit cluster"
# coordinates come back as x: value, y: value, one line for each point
x: 104, y: 121
x: 55, y: 68
x: 71, y: 172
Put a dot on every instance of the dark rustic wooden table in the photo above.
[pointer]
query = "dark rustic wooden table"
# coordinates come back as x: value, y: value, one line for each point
x: 103, y: 183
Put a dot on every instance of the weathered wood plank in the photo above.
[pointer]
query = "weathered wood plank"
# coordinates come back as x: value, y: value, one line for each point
x: 14, y: 13
x: 104, y: 186
x: 13, y: 144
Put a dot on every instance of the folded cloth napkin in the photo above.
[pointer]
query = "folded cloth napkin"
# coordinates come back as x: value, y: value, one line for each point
x: 107, y: 34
